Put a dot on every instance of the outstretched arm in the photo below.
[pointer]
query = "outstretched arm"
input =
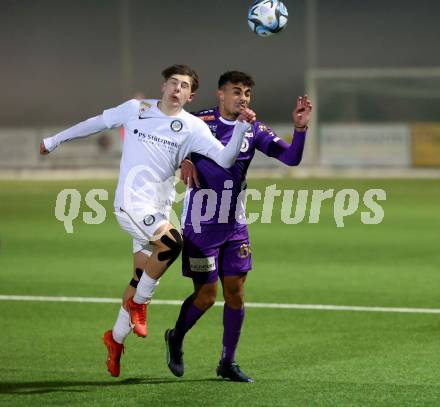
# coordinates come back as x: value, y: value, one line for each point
x: 83, y: 129
x: 114, y: 117
x: 279, y: 149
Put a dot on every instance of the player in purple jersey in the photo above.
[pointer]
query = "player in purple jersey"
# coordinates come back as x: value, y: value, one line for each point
x: 216, y: 244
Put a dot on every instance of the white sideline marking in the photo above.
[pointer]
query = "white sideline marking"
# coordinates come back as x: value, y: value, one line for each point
x: 319, y: 307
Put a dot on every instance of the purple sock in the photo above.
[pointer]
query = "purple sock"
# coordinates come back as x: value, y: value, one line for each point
x: 232, y: 322
x: 189, y: 314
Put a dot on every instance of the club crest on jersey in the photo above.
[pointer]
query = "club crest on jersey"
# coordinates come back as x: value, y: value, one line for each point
x: 244, y: 146
x: 176, y: 125
x: 143, y: 107
x: 149, y: 220
x: 244, y: 251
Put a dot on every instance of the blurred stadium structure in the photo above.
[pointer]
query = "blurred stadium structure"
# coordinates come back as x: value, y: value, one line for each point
x: 364, y: 118
x: 383, y: 118
x: 375, y: 117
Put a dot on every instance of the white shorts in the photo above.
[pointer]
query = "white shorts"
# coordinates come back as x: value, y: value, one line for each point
x: 141, y: 229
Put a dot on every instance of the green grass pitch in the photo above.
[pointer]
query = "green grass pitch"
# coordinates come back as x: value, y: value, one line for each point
x: 51, y: 354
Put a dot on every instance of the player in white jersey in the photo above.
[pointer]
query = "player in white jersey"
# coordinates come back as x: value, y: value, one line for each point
x: 159, y: 134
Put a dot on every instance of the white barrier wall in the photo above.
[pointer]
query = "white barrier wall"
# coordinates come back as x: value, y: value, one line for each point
x: 372, y: 145
x: 340, y: 145
x: 19, y: 149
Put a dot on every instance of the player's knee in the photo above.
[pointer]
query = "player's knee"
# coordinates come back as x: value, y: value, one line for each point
x: 233, y: 290
x: 170, y: 247
x: 205, y: 298
x: 234, y: 298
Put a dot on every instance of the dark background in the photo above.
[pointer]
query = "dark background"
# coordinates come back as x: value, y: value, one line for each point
x: 61, y: 61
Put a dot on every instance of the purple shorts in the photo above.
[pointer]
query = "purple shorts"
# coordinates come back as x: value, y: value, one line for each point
x: 216, y: 251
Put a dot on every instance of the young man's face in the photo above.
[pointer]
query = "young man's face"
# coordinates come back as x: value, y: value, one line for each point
x: 176, y: 91
x: 233, y: 97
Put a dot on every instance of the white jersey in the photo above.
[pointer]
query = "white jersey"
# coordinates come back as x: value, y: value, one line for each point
x: 154, y: 146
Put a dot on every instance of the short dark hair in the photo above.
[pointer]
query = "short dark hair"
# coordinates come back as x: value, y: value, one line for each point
x: 182, y: 70
x: 236, y: 77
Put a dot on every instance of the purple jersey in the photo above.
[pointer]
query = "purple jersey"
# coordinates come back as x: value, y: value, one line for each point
x: 227, y: 184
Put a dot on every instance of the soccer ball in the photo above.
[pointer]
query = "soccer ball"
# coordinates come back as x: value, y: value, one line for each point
x: 267, y: 17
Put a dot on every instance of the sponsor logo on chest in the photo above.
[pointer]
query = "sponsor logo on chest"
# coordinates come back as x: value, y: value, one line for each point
x: 156, y: 140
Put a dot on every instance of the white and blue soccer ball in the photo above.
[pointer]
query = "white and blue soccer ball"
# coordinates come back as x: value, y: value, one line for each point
x: 267, y: 17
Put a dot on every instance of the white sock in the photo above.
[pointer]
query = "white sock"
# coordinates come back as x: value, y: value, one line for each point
x: 122, y: 326
x: 145, y: 289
